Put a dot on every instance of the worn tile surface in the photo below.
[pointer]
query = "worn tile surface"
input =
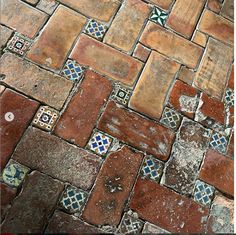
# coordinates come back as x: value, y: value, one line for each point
x: 117, y: 116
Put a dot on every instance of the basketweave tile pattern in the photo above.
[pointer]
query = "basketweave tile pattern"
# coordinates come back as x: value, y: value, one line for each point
x: 159, y: 16
x: 19, y: 44
x: 95, y: 29
x: 171, y: 118
x: 45, y: 118
x: 73, y: 199
x: 121, y: 94
x: 203, y: 193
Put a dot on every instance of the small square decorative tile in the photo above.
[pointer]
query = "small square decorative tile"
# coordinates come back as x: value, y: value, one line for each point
x: 130, y: 224
x: 95, y: 29
x: 45, y: 118
x: 121, y: 94
x: 14, y: 174
x: 72, y: 70
x: 170, y: 118
x: 203, y: 193
x: 229, y: 97
x: 100, y: 143
x: 219, y: 142
x: 159, y: 16
x: 19, y: 44
x: 73, y: 199
x: 152, y: 168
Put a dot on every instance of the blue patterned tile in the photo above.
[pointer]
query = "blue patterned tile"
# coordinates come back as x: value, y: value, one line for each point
x: 129, y: 225
x: 14, y: 174
x: 121, y: 94
x: 152, y: 168
x: 219, y: 142
x: 203, y: 193
x: 72, y: 70
x: 19, y: 44
x: 95, y: 29
x: 229, y: 97
x: 170, y: 118
x: 73, y: 199
x: 159, y: 16
x: 99, y: 143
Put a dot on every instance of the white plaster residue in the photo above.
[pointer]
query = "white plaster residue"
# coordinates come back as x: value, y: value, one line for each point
x: 188, y: 104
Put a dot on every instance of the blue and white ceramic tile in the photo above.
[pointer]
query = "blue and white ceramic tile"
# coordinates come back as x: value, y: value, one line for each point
x: 45, y: 118
x: 73, y: 199
x: 95, y: 29
x: 152, y: 168
x: 170, y: 118
x: 99, y: 143
x: 159, y: 16
x: 203, y: 193
x: 14, y: 174
x: 72, y: 70
x: 19, y: 44
x: 229, y: 97
x: 121, y: 94
x: 130, y: 225
x: 219, y: 142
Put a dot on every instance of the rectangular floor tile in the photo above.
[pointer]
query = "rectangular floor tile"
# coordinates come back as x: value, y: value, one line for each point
x: 113, y: 186
x: 137, y: 131
x: 167, y: 209
x: 106, y: 60
x: 217, y: 27
x: 184, y: 16
x: 57, y: 37
x: 156, y: 78
x: 130, y: 18
x: 77, y: 122
x: 32, y: 208
x: 164, y: 4
x: 34, y: 81
x: 18, y: 15
x: 171, y: 45
x: 212, y: 72
x: 51, y: 155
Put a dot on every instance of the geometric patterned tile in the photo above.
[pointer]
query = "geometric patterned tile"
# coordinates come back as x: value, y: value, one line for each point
x: 159, y: 16
x: 45, y: 118
x: 130, y: 225
x: 14, y: 173
x: 152, y: 168
x: 170, y: 118
x: 95, y: 29
x: 72, y: 70
x: 203, y: 193
x: 229, y: 97
x: 121, y: 94
x: 19, y: 44
x: 219, y: 142
x: 100, y: 143
x: 73, y: 199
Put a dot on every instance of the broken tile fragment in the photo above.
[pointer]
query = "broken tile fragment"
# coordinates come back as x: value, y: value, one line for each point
x: 186, y: 75
x: 141, y: 52
x: 200, y: 38
x: 48, y: 6
x: 153, y: 229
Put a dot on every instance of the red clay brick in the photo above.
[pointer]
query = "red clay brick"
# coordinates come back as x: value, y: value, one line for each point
x: 200, y: 38
x: 113, y: 186
x: 64, y: 223
x: 214, y: 5
x: 230, y: 151
x: 132, y: 11
x: 31, y: 209
x: 141, y: 52
x: 137, y: 131
x: 16, y: 114
x: 77, y: 122
x: 22, y: 22
x: 55, y: 41
x: 184, y: 98
x: 7, y: 195
x: 210, y: 112
x: 106, y: 60
x: 167, y: 209
x: 166, y: 42
x: 51, y: 155
x: 217, y: 27
x: 231, y: 78
x: 184, y: 16
x: 186, y: 75
x: 218, y: 170
x: 164, y: 4
x: 5, y: 35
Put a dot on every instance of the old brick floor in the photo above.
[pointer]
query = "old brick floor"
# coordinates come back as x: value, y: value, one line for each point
x: 117, y: 116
